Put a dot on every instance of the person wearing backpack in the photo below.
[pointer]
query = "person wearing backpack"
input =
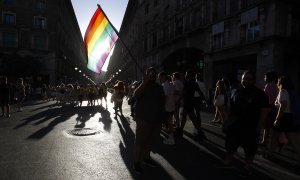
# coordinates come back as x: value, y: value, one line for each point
x: 287, y: 113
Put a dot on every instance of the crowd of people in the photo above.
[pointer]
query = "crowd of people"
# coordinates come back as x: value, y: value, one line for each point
x: 9, y: 93
x: 250, y: 117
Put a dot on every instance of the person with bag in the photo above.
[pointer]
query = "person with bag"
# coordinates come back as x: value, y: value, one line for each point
x: 220, y: 102
x: 287, y: 115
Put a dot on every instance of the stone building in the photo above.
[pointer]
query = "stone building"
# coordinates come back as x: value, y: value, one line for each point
x: 41, y: 41
x: 219, y: 38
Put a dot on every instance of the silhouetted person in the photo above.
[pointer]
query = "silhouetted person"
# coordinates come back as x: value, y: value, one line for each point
x: 149, y: 113
x: 4, y: 97
x: 20, y: 94
x: 190, y: 87
x: 249, y: 109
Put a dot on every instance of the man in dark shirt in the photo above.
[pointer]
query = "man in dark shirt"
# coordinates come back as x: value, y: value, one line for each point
x: 249, y: 109
x: 190, y: 87
x: 149, y: 113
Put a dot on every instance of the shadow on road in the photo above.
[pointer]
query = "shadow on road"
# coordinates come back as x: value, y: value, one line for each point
x: 43, y: 107
x: 126, y: 150
x: 84, y: 114
x: 58, y: 115
x: 105, y: 119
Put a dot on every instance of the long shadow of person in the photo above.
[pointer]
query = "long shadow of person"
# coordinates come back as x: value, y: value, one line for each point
x: 66, y: 113
x: 84, y: 114
x: 105, y: 119
x: 194, y: 160
x: 127, y: 148
x: 43, y: 107
x: 42, y: 117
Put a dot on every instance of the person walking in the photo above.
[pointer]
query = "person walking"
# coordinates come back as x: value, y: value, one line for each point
x: 118, y: 95
x: 220, y: 102
x: 4, y: 97
x: 178, y: 84
x: 198, y: 99
x: 272, y: 91
x: 288, y: 110
x: 20, y: 94
x: 169, y: 91
x: 249, y: 109
x: 190, y: 87
x: 149, y: 114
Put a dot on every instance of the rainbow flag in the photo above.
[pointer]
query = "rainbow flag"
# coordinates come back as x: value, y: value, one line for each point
x: 99, y: 39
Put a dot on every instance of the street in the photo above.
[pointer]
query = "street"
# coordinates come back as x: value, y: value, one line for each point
x: 47, y: 141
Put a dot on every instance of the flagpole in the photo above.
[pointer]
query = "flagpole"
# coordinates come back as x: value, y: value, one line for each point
x: 117, y: 32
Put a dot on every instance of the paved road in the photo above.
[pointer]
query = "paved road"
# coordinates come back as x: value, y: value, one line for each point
x: 38, y: 144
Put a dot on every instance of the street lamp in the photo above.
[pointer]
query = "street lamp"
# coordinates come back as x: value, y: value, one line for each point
x: 83, y: 74
x: 79, y: 71
x: 120, y: 70
x: 76, y: 68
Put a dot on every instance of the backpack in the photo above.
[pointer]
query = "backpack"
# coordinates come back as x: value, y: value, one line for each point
x: 295, y: 106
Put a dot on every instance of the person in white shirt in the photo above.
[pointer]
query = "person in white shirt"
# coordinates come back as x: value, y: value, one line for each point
x: 169, y: 91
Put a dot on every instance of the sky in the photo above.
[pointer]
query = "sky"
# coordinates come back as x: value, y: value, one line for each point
x: 114, y: 10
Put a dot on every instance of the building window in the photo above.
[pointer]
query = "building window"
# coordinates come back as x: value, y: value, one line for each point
x: 165, y: 34
x: 249, y: 2
x: 155, y: 3
x: 9, y: 39
x: 9, y: 18
x: 179, y: 26
x: 40, y: 42
x: 40, y: 22
x: 179, y: 4
x: 295, y: 27
x: 218, y: 35
x: 146, y: 8
x: 154, y: 39
x: 8, y: 2
x: 234, y: 6
x: 40, y: 5
x: 251, y: 31
x: 145, y: 44
x: 221, y: 9
x: 199, y: 18
x: 218, y: 41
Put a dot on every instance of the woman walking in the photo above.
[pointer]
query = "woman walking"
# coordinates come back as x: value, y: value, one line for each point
x: 285, y: 121
x: 220, y: 101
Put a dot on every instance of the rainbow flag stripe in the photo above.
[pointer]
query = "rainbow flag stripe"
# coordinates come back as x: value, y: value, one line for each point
x: 99, y: 39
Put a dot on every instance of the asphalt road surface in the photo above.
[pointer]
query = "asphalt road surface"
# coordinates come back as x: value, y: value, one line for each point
x: 47, y: 141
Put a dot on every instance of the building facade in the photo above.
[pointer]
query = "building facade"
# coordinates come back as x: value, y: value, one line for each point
x: 40, y: 40
x: 219, y: 38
